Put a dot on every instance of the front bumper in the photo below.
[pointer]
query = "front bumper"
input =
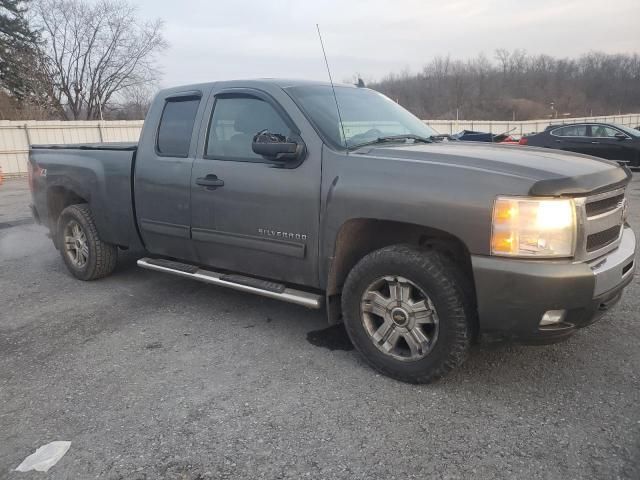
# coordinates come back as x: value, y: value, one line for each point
x: 513, y: 295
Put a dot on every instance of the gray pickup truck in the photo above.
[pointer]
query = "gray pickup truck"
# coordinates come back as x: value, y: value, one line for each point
x: 418, y: 246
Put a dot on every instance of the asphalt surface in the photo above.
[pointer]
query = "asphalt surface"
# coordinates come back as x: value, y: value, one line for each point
x: 151, y: 376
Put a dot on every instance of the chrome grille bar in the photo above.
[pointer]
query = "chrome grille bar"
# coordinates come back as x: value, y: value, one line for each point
x: 601, y: 219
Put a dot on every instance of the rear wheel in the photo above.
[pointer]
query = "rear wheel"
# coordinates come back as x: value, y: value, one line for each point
x: 86, y: 256
x: 408, y: 312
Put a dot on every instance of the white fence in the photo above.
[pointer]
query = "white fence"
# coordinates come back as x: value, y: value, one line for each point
x: 527, y: 126
x: 16, y: 136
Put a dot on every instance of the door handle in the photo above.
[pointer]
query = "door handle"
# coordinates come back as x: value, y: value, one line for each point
x: 595, y: 143
x: 211, y: 182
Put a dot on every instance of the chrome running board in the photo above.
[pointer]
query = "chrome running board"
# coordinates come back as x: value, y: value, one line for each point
x: 237, y: 282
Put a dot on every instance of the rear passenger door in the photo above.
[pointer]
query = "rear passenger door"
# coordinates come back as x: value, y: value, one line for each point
x: 573, y: 138
x: 163, y: 175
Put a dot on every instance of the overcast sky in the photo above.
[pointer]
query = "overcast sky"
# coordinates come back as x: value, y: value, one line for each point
x: 226, y: 39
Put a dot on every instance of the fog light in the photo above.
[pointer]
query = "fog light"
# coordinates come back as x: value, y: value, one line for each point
x: 552, y: 317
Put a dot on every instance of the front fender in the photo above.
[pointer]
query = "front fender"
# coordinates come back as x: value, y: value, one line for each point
x: 450, y: 199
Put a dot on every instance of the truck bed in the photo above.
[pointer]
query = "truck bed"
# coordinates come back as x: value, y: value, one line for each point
x: 98, y: 173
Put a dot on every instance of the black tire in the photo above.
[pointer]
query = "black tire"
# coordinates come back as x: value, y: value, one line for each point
x: 101, y: 257
x: 442, y: 283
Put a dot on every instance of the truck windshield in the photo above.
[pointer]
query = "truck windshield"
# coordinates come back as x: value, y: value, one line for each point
x: 366, y: 115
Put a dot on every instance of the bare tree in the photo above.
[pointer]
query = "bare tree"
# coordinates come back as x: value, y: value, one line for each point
x: 503, y: 55
x: 134, y: 105
x: 93, y: 52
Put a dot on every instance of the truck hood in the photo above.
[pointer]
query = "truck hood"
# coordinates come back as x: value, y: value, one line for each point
x: 551, y: 172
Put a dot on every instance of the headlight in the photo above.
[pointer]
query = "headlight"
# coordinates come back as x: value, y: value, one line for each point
x: 530, y: 227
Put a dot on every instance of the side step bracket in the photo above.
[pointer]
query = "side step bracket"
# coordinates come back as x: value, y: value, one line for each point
x: 237, y: 282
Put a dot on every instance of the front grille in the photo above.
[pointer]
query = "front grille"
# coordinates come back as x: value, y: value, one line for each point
x: 599, y: 240
x: 603, y: 218
x: 603, y: 206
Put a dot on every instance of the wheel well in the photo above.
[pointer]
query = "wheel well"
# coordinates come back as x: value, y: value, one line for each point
x: 59, y: 198
x: 360, y: 237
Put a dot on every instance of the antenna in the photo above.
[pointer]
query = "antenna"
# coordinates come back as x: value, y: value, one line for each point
x: 335, y: 97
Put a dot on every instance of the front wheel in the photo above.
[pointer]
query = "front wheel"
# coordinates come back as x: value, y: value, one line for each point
x: 86, y: 256
x: 408, y: 312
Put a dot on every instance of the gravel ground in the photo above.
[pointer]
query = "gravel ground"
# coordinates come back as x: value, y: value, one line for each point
x: 151, y: 376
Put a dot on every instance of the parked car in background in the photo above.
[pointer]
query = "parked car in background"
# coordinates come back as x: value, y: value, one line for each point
x: 604, y: 140
x: 471, y: 136
x: 510, y: 140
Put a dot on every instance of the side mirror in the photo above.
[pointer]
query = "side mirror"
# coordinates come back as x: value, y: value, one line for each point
x: 620, y: 136
x: 278, y: 148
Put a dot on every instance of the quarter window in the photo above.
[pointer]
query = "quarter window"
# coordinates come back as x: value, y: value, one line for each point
x: 572, y: 131
x: 235, y: 121
x: 176, y: 126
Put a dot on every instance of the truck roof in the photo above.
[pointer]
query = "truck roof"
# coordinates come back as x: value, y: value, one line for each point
x: 256, y: 82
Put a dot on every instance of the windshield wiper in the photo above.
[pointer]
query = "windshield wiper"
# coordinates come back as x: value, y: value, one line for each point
x: 393, y: 138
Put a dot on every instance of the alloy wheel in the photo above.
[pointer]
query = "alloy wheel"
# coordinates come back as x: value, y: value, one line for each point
x: 400, y: 318
x: 75, y: 244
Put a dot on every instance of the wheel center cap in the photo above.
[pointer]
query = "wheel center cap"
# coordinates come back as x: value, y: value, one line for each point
x: 399, y: 316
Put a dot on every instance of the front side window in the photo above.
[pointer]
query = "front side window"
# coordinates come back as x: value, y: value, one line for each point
x: 366, y: 115
x: 234, y: 123
x: 572, y: 131
x: 631, y: 132
x: 602, y: 131
x: 176, y: 126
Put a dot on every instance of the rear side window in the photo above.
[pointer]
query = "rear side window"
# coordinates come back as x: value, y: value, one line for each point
x: 573, y: 131
x: 176, y: 126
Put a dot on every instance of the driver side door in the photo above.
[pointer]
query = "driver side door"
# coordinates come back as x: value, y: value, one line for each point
x: 605, y: 144
x: 259, y: 218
